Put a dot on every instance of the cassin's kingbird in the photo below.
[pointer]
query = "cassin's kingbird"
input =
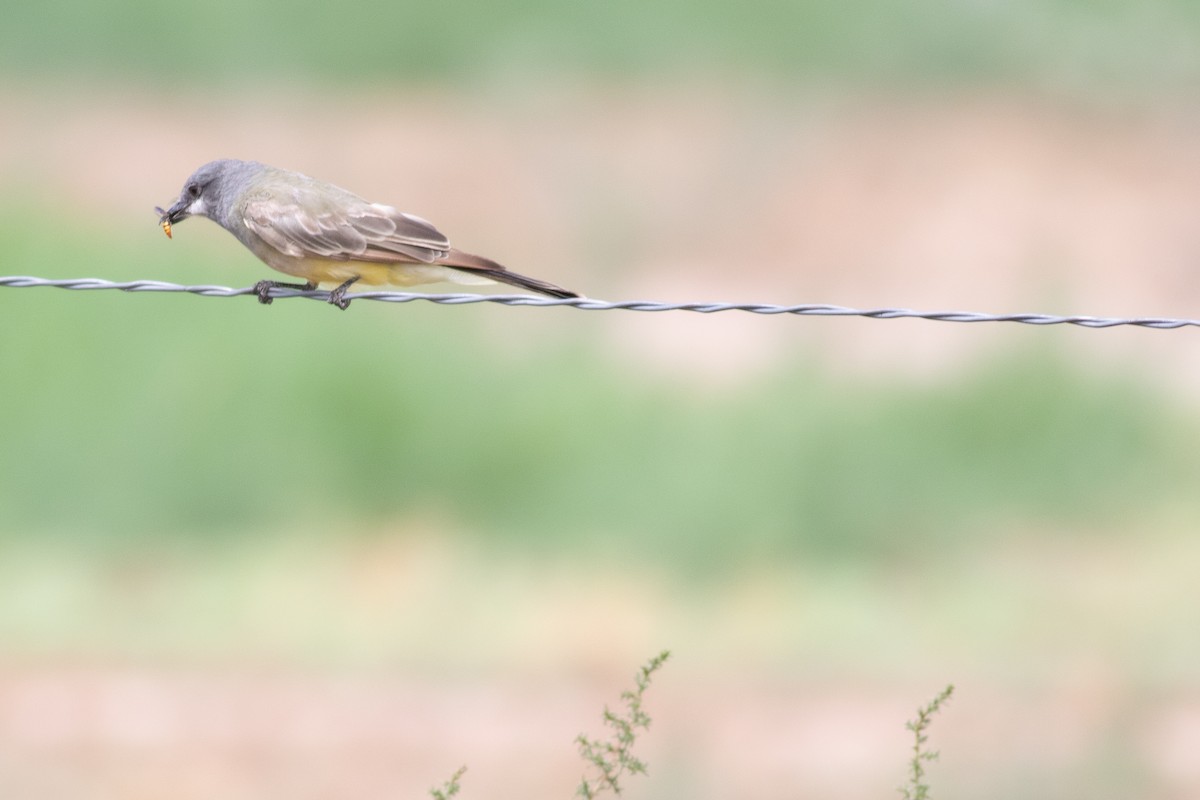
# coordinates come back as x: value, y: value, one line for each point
x: 325, y: 234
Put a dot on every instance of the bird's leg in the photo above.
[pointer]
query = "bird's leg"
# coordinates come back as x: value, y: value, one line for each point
x: 338, y: 296
x: 263, y: 289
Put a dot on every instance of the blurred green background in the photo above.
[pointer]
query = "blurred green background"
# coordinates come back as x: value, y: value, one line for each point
x: 1100, y: 44
x: 231, y: 534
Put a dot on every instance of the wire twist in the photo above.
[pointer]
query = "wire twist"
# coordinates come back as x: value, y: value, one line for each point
x: 589, y: 304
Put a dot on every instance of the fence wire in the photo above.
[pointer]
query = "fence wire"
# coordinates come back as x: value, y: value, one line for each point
x: 589, y: 304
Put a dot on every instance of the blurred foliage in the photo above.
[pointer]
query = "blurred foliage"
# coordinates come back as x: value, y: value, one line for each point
x: 252, y: 44
x: 171, y: 415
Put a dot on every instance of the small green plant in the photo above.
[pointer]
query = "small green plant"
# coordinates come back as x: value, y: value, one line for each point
x: 450, y: 787
x: 916, y: 789
x: 613, y: 758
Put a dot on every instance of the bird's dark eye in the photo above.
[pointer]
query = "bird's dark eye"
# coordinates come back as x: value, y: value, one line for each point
x: 193, y: 189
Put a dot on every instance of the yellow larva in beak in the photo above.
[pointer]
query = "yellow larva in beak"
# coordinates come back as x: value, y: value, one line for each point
x: 164, y: 221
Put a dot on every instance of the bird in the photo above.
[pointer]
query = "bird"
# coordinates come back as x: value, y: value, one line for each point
x: 323, y: 233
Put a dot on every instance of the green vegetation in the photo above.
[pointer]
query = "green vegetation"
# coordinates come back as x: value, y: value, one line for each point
x: 167, y: 416
x: 451, y: 787
x: 614, y: 758
x: 916, y: 788
x: 1055, y: 42
x: 610, y: 759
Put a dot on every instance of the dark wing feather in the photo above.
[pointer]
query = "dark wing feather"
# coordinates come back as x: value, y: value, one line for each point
x: 323, y: 221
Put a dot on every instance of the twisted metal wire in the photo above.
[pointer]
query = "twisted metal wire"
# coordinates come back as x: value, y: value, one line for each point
x: 588, y: 304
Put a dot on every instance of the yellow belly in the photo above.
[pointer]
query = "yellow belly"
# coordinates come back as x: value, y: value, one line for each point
x: 342, y: 271
x: 320, y: 271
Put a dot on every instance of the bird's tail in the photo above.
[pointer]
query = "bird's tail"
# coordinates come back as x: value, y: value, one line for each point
x: 486, y: 268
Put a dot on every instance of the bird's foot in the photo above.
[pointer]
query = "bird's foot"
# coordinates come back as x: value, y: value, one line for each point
x: 338, y: 296
x: 263, y: 289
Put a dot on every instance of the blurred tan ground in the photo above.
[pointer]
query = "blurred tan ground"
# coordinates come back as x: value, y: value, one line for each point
x: 375, y: 673
x: 307, y: 669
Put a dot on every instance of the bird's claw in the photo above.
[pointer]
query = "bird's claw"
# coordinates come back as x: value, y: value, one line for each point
x: 338, y: 296
x: 263, y: 290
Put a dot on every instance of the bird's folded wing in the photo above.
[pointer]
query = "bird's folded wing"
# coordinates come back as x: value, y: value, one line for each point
x: 308, y: 225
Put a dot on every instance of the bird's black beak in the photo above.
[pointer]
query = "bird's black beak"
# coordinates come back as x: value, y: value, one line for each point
x: 173, y: 214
